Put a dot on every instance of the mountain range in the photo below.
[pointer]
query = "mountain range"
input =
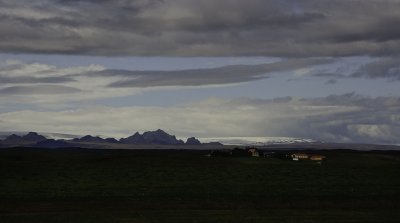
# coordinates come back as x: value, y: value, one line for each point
x: 157, y: 137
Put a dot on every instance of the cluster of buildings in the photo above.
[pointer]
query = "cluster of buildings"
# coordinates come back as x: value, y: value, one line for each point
x: 303, y: 156
x: 254, y: 152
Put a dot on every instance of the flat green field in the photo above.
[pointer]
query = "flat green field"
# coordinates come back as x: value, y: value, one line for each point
x: 38, y: 185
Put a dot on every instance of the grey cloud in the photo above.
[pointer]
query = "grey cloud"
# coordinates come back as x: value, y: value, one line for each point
x: 282, y: 100
x: 202, y: 28
x: 336, y: 118
x: 384, y: 68
x: 198, y: 77
x: 11, y: 67
x: 382, y: 30
x: 37, y: 90
x: 331, y: 81
x: 353, y: 99
x: 331, y: 75
x: 34, y: 80
x: 375, y: 120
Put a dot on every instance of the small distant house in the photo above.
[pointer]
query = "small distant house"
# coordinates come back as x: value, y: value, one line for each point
x: 299, y: 156
x: 317, y: 158
x: 253, y: 152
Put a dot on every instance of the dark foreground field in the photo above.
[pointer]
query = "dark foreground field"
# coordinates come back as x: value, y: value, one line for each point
x: 185, y: 186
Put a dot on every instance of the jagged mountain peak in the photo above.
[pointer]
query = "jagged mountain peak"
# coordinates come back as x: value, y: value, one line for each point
x: 192, y: 141
x: 34, y: 137
x: 13, y: 137
x: 158, y: 136
x: 31, y: 137
x: 89, y: 138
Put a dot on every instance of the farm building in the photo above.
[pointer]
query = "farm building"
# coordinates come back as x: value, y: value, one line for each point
x: 299, y: 156
x: 254, y: 152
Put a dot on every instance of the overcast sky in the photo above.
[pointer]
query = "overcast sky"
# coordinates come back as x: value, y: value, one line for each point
x: 320, y: 69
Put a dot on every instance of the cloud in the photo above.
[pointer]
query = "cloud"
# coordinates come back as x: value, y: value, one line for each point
x: 34, y: 83
x: 34, y: 80
x: 41, y: 84
x: 331, y: 81
x: 37, y: 90
x: 373, y: 131
x: 383, y: 68
x: 15, y: 71
x: 372, y: 68
x: 290, y: 28
x: 212, y: 76
x: 337, y: 118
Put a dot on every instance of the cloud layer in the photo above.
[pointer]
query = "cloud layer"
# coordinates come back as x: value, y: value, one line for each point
x: 213, y: 76
x: 288, y: 28
x: 44, y: 84
x: 38, y: 95
x: 337, y: 118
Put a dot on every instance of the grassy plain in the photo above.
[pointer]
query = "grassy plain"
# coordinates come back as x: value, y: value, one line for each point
x: 76, y: 185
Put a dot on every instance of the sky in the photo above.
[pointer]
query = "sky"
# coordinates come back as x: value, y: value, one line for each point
x: 326, y: 70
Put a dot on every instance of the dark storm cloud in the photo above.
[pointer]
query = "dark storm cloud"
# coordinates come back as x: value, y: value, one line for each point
x: 288, y: 28
x: 198, y: 77
x: 37, y: 90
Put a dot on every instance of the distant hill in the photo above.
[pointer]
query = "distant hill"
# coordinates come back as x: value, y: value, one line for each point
x: 13, y: 139
x: 5, y: 134
x: 133, y: 139
x: 89, y: 138
x: 192, y: 141
x: 30, y: 138
x: 111, y: 140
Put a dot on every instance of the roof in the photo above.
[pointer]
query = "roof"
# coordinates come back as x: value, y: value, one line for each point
x: 299, y: 154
